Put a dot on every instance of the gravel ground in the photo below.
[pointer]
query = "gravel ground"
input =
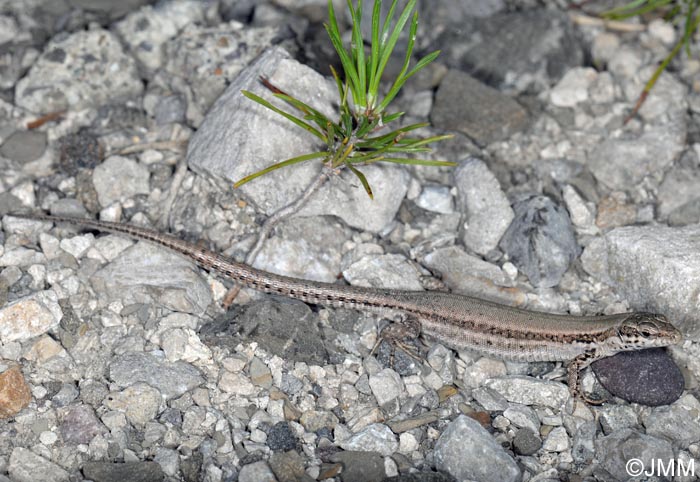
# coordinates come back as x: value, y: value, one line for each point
x: 117, y: 361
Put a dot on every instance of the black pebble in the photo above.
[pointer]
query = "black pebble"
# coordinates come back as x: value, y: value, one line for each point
x: 648, y: 377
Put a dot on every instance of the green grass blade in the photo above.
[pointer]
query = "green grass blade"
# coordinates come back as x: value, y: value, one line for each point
x: 388, y: 48
x: 279, y: 165
x: 422, y: 142
x: 635, y: 8
x: 418, y: 162
x: 357, y: 49
x: 390, y: 136
x: 387, y: 22
x: 396, y: 87
x: 375, y: 47
x: 304, y: 125
x: 391, y: 117
x: 334, y: 34
x: 362, y: 179
x: 311, y: 114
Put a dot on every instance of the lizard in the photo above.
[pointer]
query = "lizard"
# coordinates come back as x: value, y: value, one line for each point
x: 457, y: 321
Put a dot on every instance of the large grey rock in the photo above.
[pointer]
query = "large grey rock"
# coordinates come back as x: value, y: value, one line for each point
x: 613, y: 453
x: 24, y: 146
x: 239, y: 137
x: 540, y: 241
x: 146, y: 273
x: 146, y: 30
x: 201, y: 61
x: 81, y: 70
x: 471, y: 275
x: 678, y: 422
x: 657, y: 268
x: 485, y: 208
x: 171, y: 379
x: 523, y: 50
x: 680, y: 188
x: 306, y: 248
x: 466, y: 105
x: 26, y: 466
x: 621, y: 163
x: 467, y: 451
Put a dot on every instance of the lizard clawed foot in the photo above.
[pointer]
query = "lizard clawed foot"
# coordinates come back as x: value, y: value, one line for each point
x: 400, y: 334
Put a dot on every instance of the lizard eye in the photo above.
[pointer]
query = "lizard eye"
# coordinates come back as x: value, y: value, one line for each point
x: 648, y: 329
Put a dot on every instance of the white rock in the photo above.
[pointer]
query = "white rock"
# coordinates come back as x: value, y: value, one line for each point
x: 486, y: 209
x: 140, y: 403
x: 386, y: 386
x: 557, y: 440
x: 530, y: 391
x: 385, y: 271
x: 119, y: 178
x: 572, y: 89
x: 184, y: 344
x: 77, y: 245
x: 437, y: 199
x: 373, y: 438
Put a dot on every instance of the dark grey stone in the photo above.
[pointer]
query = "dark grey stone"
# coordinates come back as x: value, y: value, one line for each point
x: 120, y: 472
x: 527, y: 50
x: 191, y: 467
x: 421, y: 477
x: 172, y: 416
x: 65, y: 395
x: 24, y: 146
x: 541, y: 241
x: 281, y: 437
x: 289, y: 467
x: 688, y: 213
x: 80, y: 150
x: 8, y: 204
x: 648, y: 377
x: 284, y: 327
x: 170, y: 109
x: 359, y: 465
x: 108, y: 8
x: 466, y: 105
x: 526, y: 442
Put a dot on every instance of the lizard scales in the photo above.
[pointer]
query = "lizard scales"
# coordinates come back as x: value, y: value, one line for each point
x: 457, y: 321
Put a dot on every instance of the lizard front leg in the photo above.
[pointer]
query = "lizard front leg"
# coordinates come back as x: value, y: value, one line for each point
x: 574, y: 371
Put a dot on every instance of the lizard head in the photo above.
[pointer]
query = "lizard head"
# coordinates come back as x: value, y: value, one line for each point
x: 647, y: 330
